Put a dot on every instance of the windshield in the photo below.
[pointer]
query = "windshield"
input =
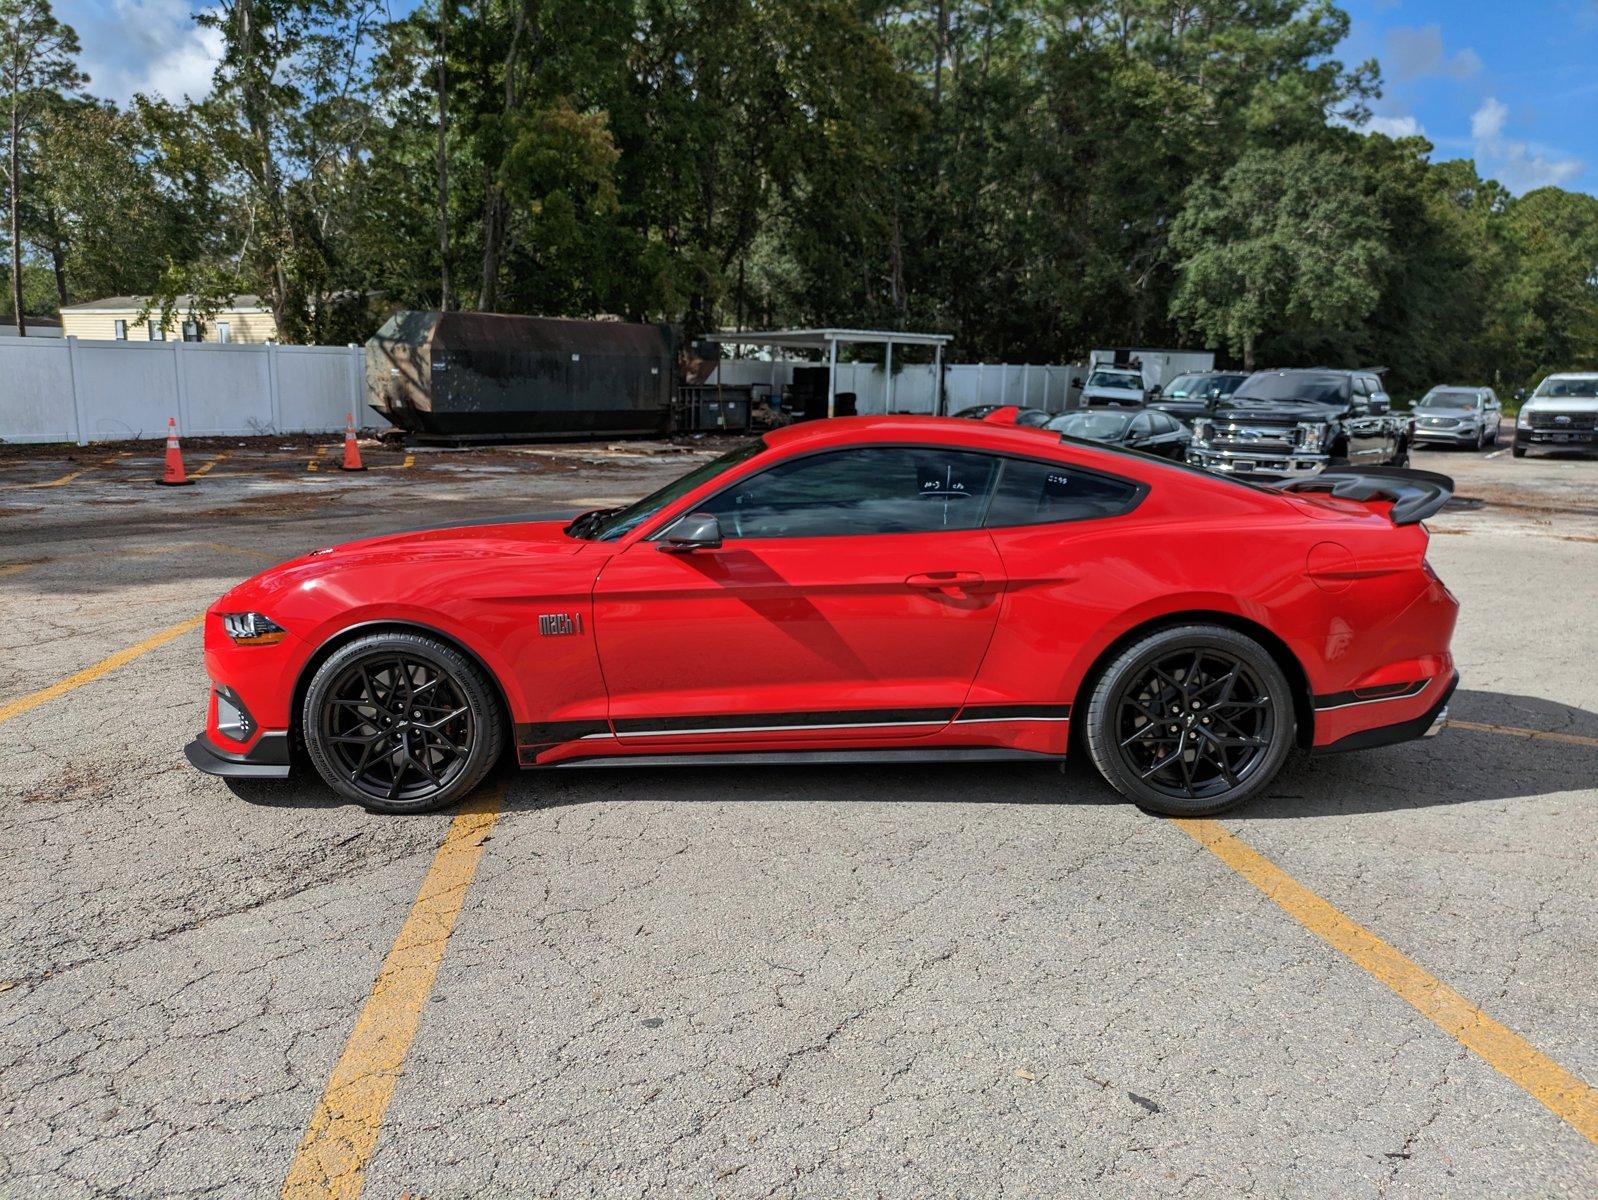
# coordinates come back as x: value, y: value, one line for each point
x: 1188, y: 385
x: 1094, y: 426
x: 608, y: 524
x: 1447, y: 399
x: 1583, y: 388
x: 1315, y: 387
x: 1116, y: 379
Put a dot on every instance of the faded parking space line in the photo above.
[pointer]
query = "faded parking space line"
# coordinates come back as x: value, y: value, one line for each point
x: 343, y: 1132
x: 1537, y: 735
x: 1571, y: 1099
x: 104, y: 667
x: 223, y: 457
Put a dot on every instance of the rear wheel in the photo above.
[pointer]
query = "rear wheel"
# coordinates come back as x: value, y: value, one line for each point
x: 1191, y: 721
x: 401, y: 722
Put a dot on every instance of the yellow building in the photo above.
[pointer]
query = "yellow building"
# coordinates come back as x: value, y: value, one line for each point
x: 247, y: 320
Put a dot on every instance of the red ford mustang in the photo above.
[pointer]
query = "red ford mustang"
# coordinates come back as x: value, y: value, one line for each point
x: 900, y: 589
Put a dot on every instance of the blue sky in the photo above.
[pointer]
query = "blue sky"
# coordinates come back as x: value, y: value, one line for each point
x: 1511, y: 83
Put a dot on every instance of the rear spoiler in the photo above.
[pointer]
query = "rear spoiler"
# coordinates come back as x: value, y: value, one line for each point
x: 1416, y: 495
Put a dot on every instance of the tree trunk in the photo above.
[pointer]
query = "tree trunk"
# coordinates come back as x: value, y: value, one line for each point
x: 443, y: 158
x: 495, y: 214
x: 940, y: 49
x: 1248, y: 352
x: 16, y: 224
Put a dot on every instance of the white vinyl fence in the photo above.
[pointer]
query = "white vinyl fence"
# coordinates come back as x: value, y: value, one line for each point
x: 67, y: 390
x: 1053, y: 388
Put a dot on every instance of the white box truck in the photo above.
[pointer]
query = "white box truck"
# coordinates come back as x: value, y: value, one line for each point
x: 1127, y: 376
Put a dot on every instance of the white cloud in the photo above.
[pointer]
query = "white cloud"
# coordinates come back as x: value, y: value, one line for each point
x: 151, y: 46
x: 1488, y: 121
x: 1519, y: 166
x: 1395, y: 127
x: 1415, y: 53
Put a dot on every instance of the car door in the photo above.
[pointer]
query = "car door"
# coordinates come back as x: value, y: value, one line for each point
x: 1369, y: 438
x: 853, y: 596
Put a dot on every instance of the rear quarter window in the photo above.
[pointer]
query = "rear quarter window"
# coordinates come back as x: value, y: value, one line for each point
x: 1036, y: 493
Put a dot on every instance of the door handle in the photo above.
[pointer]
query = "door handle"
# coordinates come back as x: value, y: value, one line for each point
x: 944, y: 580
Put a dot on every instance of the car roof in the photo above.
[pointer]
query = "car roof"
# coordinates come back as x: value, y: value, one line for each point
x: 1573, y: 375
x: 1023, y: 440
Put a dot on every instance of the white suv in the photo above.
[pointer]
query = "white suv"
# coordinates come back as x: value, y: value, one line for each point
x: 1562, y: 412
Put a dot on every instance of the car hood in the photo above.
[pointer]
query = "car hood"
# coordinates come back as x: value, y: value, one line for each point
x: 1421, y: 414
x: 1561, y: 404
x: 1284, y: 412
x: 539, y: 535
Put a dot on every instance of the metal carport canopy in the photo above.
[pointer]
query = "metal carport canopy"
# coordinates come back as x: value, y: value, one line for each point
x: 828, y: 339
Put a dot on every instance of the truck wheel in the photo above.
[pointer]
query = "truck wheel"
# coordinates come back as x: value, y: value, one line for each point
x: 1519, y: 451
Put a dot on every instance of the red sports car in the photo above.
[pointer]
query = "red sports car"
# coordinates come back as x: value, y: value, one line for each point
x: 871, y: 589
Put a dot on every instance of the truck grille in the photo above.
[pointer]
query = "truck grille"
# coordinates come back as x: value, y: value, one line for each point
x: 1254, y: 439
x: 1563, y: 421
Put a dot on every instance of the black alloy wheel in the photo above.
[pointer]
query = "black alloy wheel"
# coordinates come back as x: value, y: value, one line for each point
x: 1191, y: 720
x: 401, y: 722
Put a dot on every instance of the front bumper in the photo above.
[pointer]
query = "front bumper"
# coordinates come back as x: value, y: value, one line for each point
x: 1263, y: 465
x: 1556, y: 437
x: 268, y: 758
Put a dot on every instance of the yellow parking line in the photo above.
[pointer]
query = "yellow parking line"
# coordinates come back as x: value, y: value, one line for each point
x: 1537, y: 735
x: 65, y: 479
x: 410, y: 461
x: 89, y: 674
x: 1570, y: 1098
x: 13, y: 568
x: 311, y: 465
x: 332, y: 1156
x: 226, y: 454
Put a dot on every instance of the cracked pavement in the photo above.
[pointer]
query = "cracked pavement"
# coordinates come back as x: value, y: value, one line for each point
x: 886, y: 981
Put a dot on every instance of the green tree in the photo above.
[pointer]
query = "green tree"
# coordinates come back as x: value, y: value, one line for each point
x: 38, y: 65
x: 1284, y: 239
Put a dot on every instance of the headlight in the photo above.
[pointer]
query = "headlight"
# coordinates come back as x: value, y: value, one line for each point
x: 1523, y: 420
x: 1201, y: 431
x: 1309, y: 436
x: 252, y: 629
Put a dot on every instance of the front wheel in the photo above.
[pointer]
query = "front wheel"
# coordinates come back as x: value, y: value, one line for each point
x: 1401, y: 455
x: 401, y: 722
x: 1191, y: 721
x: 1518, y: 450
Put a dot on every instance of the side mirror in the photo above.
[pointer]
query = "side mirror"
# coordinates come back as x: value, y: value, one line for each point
x: 696, y: 531
x: 1520, y: 393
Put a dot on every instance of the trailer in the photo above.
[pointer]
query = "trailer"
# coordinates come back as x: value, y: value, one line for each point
x: 464, y: 376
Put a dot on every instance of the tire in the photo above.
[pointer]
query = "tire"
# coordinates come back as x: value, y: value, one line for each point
x: 1518, y: 451
x: 1481, y: 440
x: 402, y: 690
x: 1401, y: 455
x: 1160, y: 675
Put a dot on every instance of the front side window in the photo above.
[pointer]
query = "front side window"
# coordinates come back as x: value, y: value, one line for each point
x: 606, y: 525
x: 1036, y: 493
x: 872, y: 490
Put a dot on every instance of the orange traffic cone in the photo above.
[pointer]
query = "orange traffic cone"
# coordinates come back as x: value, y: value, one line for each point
x: 175, y: 475
x: 352, y: 452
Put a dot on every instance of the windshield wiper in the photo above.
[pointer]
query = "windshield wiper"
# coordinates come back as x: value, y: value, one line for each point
x: 585, y: 523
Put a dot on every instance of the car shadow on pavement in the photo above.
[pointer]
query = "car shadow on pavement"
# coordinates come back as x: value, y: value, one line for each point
x: 1459, y: 766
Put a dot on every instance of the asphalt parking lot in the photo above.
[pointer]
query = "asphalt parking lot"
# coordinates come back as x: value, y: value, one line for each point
x: 896, y: 982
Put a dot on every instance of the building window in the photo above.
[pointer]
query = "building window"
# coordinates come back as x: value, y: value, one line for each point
x: 154, y: 331
x: 224, y: 331
x: 121, y: 328
x: 191, y: 331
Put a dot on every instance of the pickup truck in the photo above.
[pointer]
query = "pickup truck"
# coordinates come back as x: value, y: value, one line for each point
x: 1291, y: 424
x: 1561, y: 414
